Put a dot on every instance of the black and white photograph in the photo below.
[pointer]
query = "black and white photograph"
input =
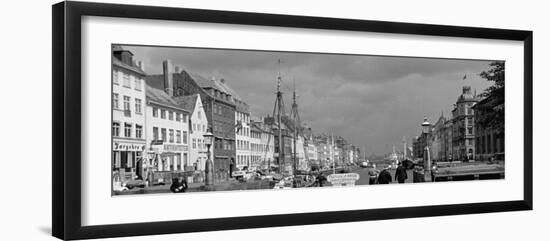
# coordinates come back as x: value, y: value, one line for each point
x: 203, y: 119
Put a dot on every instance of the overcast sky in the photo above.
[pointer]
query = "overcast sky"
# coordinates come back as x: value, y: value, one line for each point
x: 373, y: 101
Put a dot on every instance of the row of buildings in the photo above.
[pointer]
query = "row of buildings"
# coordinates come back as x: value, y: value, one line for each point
x: 159, y: 121
x: 460, y: 137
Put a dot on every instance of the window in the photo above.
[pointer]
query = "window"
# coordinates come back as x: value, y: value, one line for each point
x: 171, y: 158
x: 194, y: 143
x: 126, y: 103
x: 199, y: 114
x: 470, y: 131
x: 155, y: 112
x: 178, y: 117
x: 194, y: 127
x: 155, y: 133
x: 171, y: 135
x: 115, y: 101
x: 178, y: 161
x: 137, y: 82
x: 170, y: 115
x: 163, y: 114
x: 203, y: 128
x: 185, y: 158
x: 127, y: 130
x: 126, y: 80
x: 116, y: 129
x: 184, y: 135
x: 163, y: 134
x: 139, y: 131
x: 138, y: 105
x: 115, y: 77
x: 184, y: 117
x: 178, y: 136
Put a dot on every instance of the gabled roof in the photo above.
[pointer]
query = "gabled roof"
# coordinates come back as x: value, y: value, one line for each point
x: 133, y: 68
x: 188, y: 102
x: 215, y: 84
x: 160, y: 97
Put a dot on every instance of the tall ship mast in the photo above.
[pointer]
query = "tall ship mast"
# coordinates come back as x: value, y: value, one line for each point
x: 295, y: 117
x: 278, y: 113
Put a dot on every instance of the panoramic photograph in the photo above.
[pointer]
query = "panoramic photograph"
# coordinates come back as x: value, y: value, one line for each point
x: 203, y: 119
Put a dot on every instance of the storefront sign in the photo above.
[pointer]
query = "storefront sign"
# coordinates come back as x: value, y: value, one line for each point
x: 174, y: 148
x: 347, y: 179
x: 117, y: 146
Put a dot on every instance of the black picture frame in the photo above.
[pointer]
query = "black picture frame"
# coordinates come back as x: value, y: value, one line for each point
x: 66, y: 140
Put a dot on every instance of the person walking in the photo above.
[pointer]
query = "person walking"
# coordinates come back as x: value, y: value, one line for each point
x: 401, y: 173
x: 373, y: 175
x: 321, y: 179
x: 384, y: 177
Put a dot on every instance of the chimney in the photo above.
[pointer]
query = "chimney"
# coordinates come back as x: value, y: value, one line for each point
x: 222, y: 80
x: 168, y: 78
x: 141, y: 65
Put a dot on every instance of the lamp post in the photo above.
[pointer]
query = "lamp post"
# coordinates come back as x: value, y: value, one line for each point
x: 209, y: 166
x: 426, y: 126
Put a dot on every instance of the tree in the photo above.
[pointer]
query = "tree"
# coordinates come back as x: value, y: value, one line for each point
x: 491, y: 108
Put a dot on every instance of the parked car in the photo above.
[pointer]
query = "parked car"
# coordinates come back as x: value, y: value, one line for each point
x: 239, y: 175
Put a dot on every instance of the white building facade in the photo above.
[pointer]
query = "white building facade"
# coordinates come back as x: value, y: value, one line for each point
x: 167, y: 132
x: 198, y: 126
x: 242, y: 135
x: 128, y: 118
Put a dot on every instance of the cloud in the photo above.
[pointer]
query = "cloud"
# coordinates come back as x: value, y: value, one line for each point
x: 372, y: 101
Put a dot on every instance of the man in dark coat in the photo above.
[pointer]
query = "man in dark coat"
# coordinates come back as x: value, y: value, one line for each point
x: 178, y: 185
x: 384, y: 177
x: 401, y: 173
x: 321, y: 179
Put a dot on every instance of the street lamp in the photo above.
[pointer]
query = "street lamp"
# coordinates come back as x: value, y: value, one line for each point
x: 209, y: 166
x: 426, y: 126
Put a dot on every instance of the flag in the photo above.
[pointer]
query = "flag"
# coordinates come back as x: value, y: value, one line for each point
x: 463, y: 78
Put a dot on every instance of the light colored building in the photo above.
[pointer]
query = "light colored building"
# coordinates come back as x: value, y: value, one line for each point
x: 301, y: 163
x: 463, y: 126
x: 312, y: 151
x: 242, y: 134
x: 128, y: 103
x: 438, y: 142
x: 198, y: 126
x: 167, y: 132
x: 256, y: 147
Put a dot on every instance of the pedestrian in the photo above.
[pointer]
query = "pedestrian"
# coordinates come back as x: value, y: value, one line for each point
x: 320, y: 179
x: 373, y: 174
x: 401, y: 173
x: 384, y: 177
x: 178, y: 185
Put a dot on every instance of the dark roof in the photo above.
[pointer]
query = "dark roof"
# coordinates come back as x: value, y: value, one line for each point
x: 188, y: 102
x: 215, y: 84
x: 155, y: 81
x: 133, y: 68
x: 160, y: 97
